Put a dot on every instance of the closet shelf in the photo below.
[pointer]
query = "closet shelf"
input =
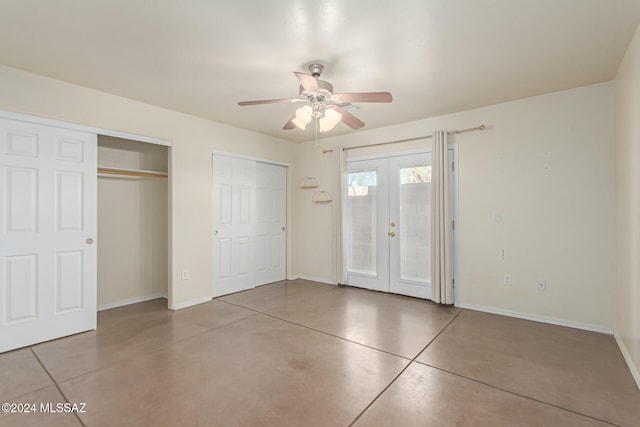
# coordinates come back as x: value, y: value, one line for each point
x: 321, y: 197
x: 132, y: 172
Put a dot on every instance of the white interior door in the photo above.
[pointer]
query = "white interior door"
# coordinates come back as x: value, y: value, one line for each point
x: 388, y: 224
x: 48, y: 227
x: 233, y: 212
x: 270, y: 228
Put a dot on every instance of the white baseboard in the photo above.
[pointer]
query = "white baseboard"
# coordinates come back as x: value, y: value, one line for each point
x: 538, y: 318
x: 627, y: 357
x: 314, y: 279
x: 130, y: 301
x: 193, y: 302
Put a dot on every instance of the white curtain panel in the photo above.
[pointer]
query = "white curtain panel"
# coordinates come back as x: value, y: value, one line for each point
x: 441, y: 284
x: 339, y: 213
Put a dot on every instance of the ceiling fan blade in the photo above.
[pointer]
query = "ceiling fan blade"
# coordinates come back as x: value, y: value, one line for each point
x: 271, y: 101
x: 289, y: 125
x: 308, y: 82
x: 349, y: 119
x: 363, y: 97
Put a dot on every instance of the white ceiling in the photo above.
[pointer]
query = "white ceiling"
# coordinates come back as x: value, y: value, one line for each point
x: 435, y: 56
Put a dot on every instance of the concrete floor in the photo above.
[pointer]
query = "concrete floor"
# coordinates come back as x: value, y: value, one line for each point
x: 300, y: 353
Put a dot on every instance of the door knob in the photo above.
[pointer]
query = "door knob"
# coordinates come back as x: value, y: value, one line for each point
x: 89, y: 241
x: 392, y: 234
x: 215, y: 232
x: 393, y: 224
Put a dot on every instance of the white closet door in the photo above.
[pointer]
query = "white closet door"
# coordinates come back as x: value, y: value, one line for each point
x: 233, y: 216
x: 48, y: 232
x: 270, y: 230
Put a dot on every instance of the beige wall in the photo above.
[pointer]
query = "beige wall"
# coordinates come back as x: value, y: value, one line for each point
x: 190, y: 160
x: 627, y: 304
x: 546, y: 163
x: 133, y: 224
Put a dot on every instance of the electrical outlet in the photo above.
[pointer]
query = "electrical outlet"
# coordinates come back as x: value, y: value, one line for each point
x: 541, y: 284
x: 185, y: 274
x: 507, y: 280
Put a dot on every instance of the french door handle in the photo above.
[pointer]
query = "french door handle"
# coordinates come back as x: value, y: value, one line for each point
x: 392, y: 233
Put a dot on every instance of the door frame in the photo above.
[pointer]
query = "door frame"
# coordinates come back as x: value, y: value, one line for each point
x: 453, y: 151
x: 287, y: 184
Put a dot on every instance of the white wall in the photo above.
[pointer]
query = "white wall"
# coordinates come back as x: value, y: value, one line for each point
x: 190, y: 159
x: 312, y: 222
x: 627, y: 304
x: 133, y: 224
x: 547, y: 164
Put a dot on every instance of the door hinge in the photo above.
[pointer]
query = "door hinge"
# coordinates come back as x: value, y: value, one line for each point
x: 453, y: 282
x: 453, y: 166
x: 453, y: 224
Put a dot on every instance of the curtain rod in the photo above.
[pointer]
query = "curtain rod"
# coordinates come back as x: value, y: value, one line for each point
x: 481, y: 127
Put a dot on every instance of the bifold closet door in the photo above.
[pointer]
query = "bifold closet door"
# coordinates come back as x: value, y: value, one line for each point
x: 234, y: 184
x: 48, y: 231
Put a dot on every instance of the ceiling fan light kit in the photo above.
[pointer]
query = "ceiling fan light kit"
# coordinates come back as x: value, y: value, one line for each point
x: 324, y: 105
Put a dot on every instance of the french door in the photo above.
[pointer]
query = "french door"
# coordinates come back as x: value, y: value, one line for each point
x: 249, y: 219
x: 48, y: 220
x: 388, y: 224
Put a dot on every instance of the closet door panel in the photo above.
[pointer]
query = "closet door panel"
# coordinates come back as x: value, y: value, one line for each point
x: 69, y: 281
x: 69, y: 201
x: 271, y: 222
x: 234, y: 200
x: 21, y: 288
x: 21, y: 194
x: 47, y: 251
x: 262, y: 253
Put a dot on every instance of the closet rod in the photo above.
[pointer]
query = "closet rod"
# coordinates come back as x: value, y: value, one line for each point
x: 132, y: 172
x: 481, y: 127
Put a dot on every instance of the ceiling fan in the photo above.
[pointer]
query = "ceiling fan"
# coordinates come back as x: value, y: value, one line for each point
x: 326, y: 107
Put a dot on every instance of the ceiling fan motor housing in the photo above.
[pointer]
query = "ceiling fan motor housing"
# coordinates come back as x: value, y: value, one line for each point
x: 326, y: 90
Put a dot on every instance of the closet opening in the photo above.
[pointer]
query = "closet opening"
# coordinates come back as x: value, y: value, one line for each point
x: 133, y: 222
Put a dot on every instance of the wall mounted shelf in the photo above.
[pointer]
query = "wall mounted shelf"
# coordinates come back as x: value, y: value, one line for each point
x: 308, y: 182
x: 322, y: 197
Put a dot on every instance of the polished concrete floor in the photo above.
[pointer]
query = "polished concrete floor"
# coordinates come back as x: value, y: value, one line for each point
x: 299, y: 353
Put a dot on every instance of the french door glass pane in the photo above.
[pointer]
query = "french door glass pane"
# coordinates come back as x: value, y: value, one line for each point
x: 415, y: 224
x: 361, y: 216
